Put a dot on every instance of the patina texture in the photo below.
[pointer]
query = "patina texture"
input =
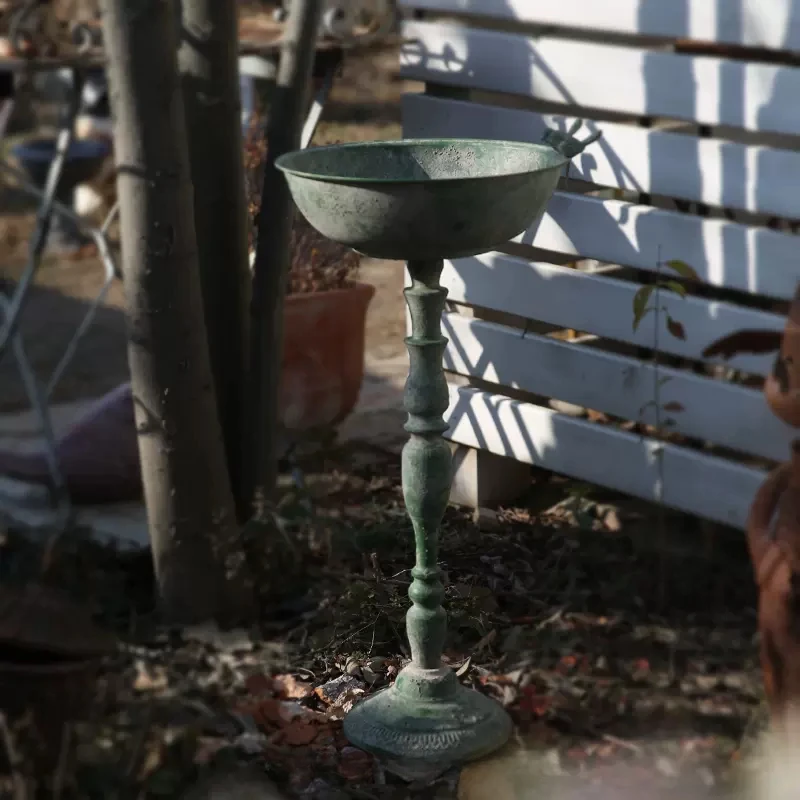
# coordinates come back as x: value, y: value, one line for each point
x: 423, y: 201
x: 427, y: 720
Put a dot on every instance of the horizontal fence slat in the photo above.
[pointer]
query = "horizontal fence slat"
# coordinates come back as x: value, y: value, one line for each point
x: 615, y: 384
x: 772, y: 24
x: 724, y: 254
x: 629, y: 80
x: 705, y: 170
x: 600, y: 305
x: 693, y: 482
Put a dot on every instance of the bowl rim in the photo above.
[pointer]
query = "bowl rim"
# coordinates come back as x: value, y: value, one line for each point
x: 282, y: 162
x: 35, y: 148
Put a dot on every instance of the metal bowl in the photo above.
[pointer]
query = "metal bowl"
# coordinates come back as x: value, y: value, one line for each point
x: 422, y: 198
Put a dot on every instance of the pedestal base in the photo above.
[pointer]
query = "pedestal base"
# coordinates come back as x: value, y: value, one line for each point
x: 426, y: 723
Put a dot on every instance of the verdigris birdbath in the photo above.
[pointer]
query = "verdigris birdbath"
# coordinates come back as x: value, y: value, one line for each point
x: 424, y: 200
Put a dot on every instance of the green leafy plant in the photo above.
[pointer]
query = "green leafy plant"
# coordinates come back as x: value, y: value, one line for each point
x: 641, y: 300
x: 642, y: 306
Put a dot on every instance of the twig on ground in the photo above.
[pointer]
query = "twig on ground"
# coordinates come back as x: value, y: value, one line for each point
x: 20, y: 786
x: 63, y: 760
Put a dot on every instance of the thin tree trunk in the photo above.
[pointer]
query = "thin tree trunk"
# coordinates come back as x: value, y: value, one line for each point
x: 208, y: 64
x: 187, y: 489
x: 284, y: 126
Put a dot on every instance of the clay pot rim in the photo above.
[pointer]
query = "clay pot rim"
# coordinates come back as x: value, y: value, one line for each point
x: 356, y: 286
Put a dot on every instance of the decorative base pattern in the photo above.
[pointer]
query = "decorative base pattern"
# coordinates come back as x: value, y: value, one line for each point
x: 427, y: 722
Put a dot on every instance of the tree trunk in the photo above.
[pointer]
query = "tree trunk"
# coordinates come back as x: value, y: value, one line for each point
x: 208, y: 64
x: 187, y: 489
x: 284, y: 126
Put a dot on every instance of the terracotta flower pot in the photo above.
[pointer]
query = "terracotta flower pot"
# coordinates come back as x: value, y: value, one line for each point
x: 782, y: 387
x: 323, y: 356
x: 323, y: 367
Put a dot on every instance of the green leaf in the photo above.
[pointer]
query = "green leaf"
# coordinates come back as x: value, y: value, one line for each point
x: 683, y: 269
x: 674, y: 286
x: 662, y: 381
x: 676, y: 328
x: 640, y: 300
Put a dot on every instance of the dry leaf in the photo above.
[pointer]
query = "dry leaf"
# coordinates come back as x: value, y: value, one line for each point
x: 329, y: 692
x: 536, y: 704
x: 207, y: 748
x: 268, y: 711
x: 259, y: 684
x: 355, y: 764
x: 289, y: 687
x: 300, y: 733
x: 150, y: 679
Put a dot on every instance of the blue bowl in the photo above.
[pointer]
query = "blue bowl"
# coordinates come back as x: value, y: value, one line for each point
x: 84, y: 160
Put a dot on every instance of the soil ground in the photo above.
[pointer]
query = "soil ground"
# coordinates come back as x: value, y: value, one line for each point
x: 627, y: 674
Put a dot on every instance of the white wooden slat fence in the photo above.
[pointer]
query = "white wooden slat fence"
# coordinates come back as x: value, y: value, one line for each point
x: 603, y: 213
x: 751, y: 23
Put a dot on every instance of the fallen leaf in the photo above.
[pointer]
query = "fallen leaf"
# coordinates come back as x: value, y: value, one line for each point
x: 464, y: 668
x: 258, y: 684
x: 673, y: 405
x: 606, y: 750
x: 612, y: 521
x: 151, y: 762
x: 288, y: 687
x: 207, y: 748
x: 300, y: 733
x: 268, y: 711
x: 354, y: 764
x: 666, y: 767
x: 329, y: 692
x: 344, y: 703
x: 566, y: 663
x: 150, y: 679
x: 369, y: 676
x: 534, y: 703
x: 576, y: 753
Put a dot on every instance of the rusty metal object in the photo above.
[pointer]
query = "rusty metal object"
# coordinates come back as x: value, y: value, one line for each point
x: 50, y: 651
x: 773, y: 537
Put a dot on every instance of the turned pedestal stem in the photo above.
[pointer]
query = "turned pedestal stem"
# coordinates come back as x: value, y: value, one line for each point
x: 427, y: 460
x: 427, y: 721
